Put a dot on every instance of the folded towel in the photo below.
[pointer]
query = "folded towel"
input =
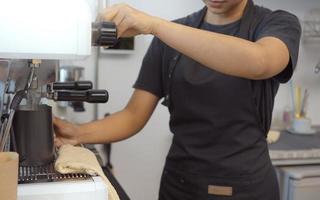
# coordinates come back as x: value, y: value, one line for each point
x: 73, y: 159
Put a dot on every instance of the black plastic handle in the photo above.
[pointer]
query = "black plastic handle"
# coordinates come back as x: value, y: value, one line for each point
x: 104, y: 34
x: 72, y: 85
x: 90, y: 96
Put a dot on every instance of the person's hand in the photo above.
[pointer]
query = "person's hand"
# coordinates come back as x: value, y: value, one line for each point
x: 65, y: 132
x: 130, y: 21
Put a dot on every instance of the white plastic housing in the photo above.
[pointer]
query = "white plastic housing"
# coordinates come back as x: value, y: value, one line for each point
x: 45, y: 29
x: 92, y: 189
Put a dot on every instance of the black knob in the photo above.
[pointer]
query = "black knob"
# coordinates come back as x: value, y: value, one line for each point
x: 104, y: 34
x: 90, y: 96
x: 72, y: 85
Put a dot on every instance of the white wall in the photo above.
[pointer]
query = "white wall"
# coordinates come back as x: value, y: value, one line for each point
x: 138, y: 161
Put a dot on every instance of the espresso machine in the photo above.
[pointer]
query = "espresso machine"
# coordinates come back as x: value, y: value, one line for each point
x: 35, y: 35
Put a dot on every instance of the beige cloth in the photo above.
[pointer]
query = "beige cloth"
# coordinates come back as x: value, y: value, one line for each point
x: 8, y: 175
x: 73, y: 159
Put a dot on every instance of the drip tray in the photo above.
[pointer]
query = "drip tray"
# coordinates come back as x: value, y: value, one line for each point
x: 41, y: 174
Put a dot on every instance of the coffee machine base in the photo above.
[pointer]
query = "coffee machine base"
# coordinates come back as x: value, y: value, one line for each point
x: 79, y: 189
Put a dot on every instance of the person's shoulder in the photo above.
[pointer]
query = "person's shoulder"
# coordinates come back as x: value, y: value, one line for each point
x: 278, y: 15
x: 284, y: 15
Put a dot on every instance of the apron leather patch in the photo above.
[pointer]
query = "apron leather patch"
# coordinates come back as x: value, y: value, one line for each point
x: 220, y: 190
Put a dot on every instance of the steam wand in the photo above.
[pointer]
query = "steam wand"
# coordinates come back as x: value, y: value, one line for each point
x: 32, y: 83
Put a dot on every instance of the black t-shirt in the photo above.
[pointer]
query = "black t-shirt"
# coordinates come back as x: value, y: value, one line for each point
x: 219, y: 122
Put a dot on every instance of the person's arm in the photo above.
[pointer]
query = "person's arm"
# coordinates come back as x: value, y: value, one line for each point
x: 116, y: 127
x: 227, y: 54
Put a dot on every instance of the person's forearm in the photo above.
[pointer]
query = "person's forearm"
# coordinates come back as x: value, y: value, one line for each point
x: 229, y: 55
x: 116, y: 127
x: 226, y: 54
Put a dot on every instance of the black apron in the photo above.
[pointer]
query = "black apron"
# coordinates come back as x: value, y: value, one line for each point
x: 186, y: 175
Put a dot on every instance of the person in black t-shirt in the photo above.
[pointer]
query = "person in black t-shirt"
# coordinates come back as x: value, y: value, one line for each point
x: 218, y: 71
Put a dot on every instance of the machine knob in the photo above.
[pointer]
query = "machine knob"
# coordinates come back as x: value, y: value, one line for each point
x: 104, y: 34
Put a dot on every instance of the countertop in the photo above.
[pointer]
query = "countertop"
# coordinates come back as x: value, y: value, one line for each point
x: 121, y: 192
x: 292, y: 149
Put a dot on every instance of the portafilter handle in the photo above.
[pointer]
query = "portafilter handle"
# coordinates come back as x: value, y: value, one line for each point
x: 90, y: 96
x: 70, y: 85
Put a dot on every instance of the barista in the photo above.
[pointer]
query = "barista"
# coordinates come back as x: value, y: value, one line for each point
x: 218, y: 71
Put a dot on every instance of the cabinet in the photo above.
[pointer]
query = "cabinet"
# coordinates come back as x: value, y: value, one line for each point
x: 299, y: 182
x: 297, y: 161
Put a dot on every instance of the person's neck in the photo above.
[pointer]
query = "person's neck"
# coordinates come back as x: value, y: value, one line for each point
x: 228, y: 17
